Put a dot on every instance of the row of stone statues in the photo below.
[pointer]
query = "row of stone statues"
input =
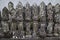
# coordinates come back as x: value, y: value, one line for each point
x: 30, y: 21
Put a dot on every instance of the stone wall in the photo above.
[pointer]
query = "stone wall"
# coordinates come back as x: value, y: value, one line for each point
x: 30, y: 21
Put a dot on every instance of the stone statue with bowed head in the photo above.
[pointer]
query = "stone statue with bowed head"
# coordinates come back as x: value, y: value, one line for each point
x: 42, y: 13
x: 50, y: 12
x: 35, y: 14
x: 28, y: 12
x: 57, y: 13
x: 5, y: 18
x: 19, y: 12
x: 12, y: 16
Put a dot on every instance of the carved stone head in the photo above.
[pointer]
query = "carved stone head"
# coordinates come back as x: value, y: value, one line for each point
x: 57, y: 7
x: 5, y: 13
x: 27, y: 5
x: 42, y: 6
x: 19, y: 5
x: 49, y: 7
x: 10, y: 6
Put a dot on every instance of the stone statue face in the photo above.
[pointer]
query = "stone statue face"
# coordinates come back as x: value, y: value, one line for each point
x: 27, y: 5
x: 19, y: 5
x: 10, y: 6
x: 5, y: 15
x: 42, y: 5
x: 49, y: 7
x: 57, y: 8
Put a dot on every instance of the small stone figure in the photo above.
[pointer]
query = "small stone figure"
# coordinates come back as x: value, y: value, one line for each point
x: 19, y: 12
x: 35, y: 28
x: 42, y: 30
x: 42, y: 14
x: 57, y: 29
x: 27, y: 12
x: 50, y: 29
x: 12, y: 16
x: 28, y: 29
x: 5, y: 18
x: 57, y: 13
x: 50, y: 12
x: 35, y: 12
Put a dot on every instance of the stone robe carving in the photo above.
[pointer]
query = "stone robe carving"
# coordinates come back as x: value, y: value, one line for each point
x: 49, y: 12
x: 42, y: 14
x: 35, y: 28
x: 50, y: 28
x: 57, y: 13
x: 5, y: 18
x: 12, y: 16
x: 42, y: 30
x: 57, y: 29
x: 27, y: 11
x: 19, y: 12
x: 35, y: 12
x: 28, y: 29
x: 19, y: 18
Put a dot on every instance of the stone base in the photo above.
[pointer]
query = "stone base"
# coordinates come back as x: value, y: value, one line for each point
x: 47, y: 38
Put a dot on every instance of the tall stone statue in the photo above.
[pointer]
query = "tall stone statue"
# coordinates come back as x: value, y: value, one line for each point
x: 5, y: 18
x: 35, y: 28
x: 27, y: 12
x: 42, y: 14
x: 28, y: 29
x: 12, y: 16
x: 57, y: 13
x: 50, y: 12
x: 19, y: 12
x: 50, y: 19
x: 35, y: 12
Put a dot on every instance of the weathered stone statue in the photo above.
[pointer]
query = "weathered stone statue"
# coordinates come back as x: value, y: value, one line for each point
x: 5, y: 18
x: 12, y: 16
x: 57, y: 29
x: 35, y: 12
x: 50, y: 12
x: 19, y: 18
x: 28, y: 29
x: 27, y: 12
x: 57, y: 13
x: 42, y: 14
x: 50, y: 29
x: 35, y: 28
x: 19, y: 12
